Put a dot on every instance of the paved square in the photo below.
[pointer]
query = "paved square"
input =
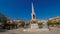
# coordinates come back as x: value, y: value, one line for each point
x: 20, y: 31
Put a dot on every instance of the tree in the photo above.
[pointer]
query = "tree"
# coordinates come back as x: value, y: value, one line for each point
x: 2, y: 18
x: 22, y: 23
x: 52, y: 22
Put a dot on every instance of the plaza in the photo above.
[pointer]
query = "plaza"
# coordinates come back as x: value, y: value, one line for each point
x: 53, y: 30
x: 32, y: 23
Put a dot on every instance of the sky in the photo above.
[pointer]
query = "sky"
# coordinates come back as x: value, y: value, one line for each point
x: 18, y: 9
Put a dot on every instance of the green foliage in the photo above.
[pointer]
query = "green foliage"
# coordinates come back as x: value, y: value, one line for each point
x: 52, y: 23
x: 22, y: 23
x: 2, y: 18
x: 39, y: 23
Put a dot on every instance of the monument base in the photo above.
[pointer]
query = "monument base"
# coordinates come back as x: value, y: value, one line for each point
x: 30, y: 30
x: 34, y: 27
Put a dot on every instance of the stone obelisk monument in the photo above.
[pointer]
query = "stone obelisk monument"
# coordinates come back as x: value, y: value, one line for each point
x: 33, y: 15
x: 34, y: 24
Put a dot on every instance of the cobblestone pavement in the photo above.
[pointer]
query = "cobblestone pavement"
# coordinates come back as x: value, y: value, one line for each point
x: 20, y: 31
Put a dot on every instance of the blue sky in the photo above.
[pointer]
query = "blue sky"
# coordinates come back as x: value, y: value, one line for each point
x: 44, y: 9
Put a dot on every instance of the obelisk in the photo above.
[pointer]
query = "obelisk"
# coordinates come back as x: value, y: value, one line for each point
x: 34, y: 24
x: 33, y: 15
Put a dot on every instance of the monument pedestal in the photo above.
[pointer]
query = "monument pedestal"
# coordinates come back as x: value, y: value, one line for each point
x: 34, y: 30
x: 34, y: 26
